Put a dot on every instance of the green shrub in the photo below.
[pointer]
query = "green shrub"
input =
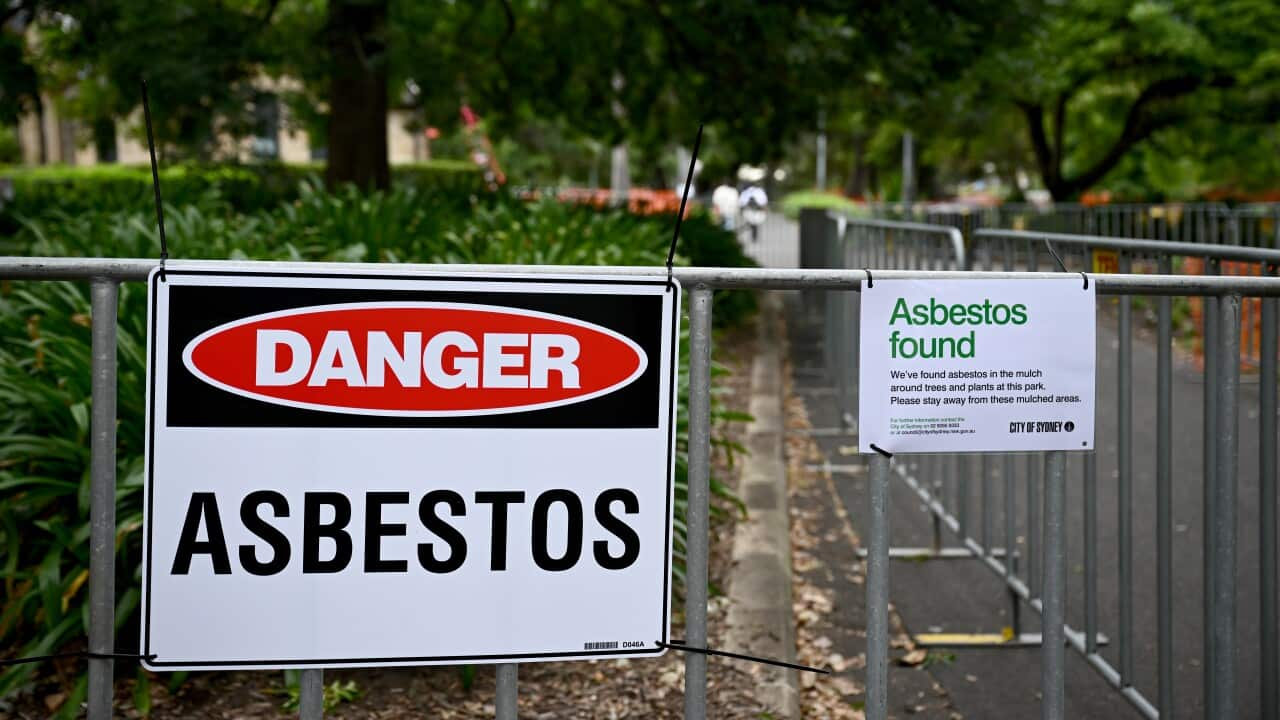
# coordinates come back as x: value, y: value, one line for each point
x: 10, y: 151
x: 40, y: 191
x: 793, y: 203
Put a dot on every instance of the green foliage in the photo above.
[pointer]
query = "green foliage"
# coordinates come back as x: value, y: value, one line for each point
x: 142, y: 693
x: 1095, y: 81
x: 937, y: 658
x: 10, y: 152
x: 45, y: 189
x: 200, y: 57
x: 44, y: 466
x: 45, y: 356
x: 794, y: 202
x: 467, y: 676
x: 334, y: 694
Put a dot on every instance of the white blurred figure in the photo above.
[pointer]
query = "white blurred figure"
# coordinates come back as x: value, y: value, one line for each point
x: 755, y: 208
x: 725, y: 200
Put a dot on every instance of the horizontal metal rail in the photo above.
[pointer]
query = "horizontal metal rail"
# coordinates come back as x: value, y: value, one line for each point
x: 1256, y: 224
x: 1139, y: 247
x: 31, y: 268
x: 950, y: 256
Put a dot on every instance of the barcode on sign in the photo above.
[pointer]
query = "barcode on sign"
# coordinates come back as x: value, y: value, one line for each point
x: 600, y: 645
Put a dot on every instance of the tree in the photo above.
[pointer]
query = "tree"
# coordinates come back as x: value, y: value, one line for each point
x: 19, y: 82
x: 1094, y: 80
x: 358, y: 74
x: 200, y: 58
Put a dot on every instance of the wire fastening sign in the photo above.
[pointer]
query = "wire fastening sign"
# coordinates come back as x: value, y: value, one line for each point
x: 969, y: 366
x: 349, y: 469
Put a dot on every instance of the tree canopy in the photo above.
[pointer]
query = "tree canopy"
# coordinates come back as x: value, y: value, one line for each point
x: 1090, y: 92
x: 1096, y: 81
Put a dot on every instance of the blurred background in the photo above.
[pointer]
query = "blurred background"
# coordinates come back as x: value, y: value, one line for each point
x: 983, y: 100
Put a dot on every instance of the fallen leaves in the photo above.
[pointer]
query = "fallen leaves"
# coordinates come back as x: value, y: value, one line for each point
x: 913, y: 658
x: 820, y: 521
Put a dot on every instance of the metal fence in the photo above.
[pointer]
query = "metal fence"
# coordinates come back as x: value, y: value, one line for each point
x: 966, y: 494
x: 1253, y: 225
x: 1047, y: 596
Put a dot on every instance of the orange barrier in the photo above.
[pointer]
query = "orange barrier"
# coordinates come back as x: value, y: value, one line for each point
x: 1250, y: 313
x: 640, y: 201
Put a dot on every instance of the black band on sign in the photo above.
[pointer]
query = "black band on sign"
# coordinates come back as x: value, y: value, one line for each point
x: 881, y: 450
x: 870, y: 281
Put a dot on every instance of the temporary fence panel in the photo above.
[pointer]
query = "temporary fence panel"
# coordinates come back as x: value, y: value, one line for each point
x: 1082, y: 253
x: 1250, y: 225
x: 944, y: 483
x: 105, y: 275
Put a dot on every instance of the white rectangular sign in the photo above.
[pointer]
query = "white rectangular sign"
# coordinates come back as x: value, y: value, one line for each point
x: 396, y: 468
x: 969, y: 366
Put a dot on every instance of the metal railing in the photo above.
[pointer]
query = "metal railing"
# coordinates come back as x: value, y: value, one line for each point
x: 833, y: 241
x: 1252, y: 225
x: 1092, y: 253
x: 104, y: 275
x: 945, y: 483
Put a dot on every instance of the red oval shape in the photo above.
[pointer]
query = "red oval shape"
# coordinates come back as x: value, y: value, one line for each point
x: 415, y: 359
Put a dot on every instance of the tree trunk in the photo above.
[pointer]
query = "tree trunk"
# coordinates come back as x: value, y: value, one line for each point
x: 104, y: 140
x: 858, y: 181
x: 44, y: 142
x: 358, y: 94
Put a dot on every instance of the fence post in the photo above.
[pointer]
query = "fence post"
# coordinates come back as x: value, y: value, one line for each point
x: 311, y: 694
x: 505, y: 704
x: 1222, y: 663
x: 1269, y: 665
x: 1124, y: 488
x: 1164, y: 496
x: 811, y: 235
x: 1209, y: 306
x: 878, y: 593
x: 695, y: 613
x: 1053, y: 646
x: 102, y: 504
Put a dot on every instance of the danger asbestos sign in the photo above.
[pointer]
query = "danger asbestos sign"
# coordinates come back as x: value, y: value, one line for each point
x: 402, y: 469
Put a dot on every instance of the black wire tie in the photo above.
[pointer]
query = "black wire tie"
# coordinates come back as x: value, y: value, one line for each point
x: 155, y: 179
x: 1086, y: 279
x: 82, y: 654
x: 881, y: 450
x: 678, y: 645
x: 684, y: 198
x: 870, y: 282
x: 1061, y: 265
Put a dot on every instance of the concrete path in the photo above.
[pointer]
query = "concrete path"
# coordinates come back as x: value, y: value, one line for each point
x: 760, y: 619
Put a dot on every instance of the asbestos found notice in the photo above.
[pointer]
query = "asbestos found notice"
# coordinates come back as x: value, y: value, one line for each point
x: 976, y: 366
